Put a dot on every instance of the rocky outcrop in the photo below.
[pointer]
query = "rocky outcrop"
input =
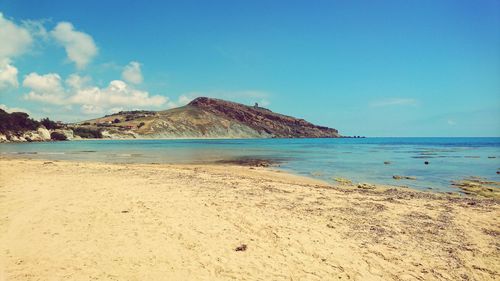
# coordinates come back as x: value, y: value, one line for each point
x: 263, y: 120
x: 39, y: 135
x: 43, y: 133
x: 67, y: 133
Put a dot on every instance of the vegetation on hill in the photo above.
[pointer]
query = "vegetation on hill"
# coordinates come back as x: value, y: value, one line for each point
x: 18, y: 122
x: 49, y: 124
x: 87, y: 133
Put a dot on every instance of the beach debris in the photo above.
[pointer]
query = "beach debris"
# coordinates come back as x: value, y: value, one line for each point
x: 342, y: 181
x: 387, y: 162
x: 396, y: 177
x: 241, y: 248
x: 125, y: 211
x: 366, y: 186
x: 426, y: 162
x: 491, y: 232
x: 478, y: 186
x: 48, y: 162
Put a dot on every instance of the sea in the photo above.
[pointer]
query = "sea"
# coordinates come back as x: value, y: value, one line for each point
x: 371, y: 160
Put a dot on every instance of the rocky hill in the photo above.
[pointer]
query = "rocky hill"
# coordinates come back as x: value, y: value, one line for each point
x: 205, y: 118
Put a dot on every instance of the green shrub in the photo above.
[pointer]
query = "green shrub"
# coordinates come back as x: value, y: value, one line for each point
x: 88, y: 133
x: 49, y: 124
x: 16, y: 122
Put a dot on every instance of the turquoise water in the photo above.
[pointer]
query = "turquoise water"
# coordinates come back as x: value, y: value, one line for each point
x: 361, y: 160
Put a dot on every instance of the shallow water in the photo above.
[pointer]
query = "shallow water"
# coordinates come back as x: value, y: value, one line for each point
x: 361, y: 160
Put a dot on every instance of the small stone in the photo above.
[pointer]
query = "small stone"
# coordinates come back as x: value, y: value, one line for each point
x: 241, y: 248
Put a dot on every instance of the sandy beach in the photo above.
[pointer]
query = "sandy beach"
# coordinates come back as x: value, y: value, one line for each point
x: 94, y: 221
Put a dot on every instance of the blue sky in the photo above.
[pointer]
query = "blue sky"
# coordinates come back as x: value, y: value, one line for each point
x: 374, y: 68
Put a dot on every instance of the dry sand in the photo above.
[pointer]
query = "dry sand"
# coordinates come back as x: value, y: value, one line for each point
x: 90, y: 221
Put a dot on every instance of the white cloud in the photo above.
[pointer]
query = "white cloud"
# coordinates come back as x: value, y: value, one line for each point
x: 117, y: 93
x: 8, y: 75
x: 183, y: 100
x: 79, y: 46
x: 49, y: 89
x: 76, y: 82
x: 13, y: 109
x: 395, y: 102
x: 132, y: 73
x: 91, y: 109
x: 15, y: 40
x: 44, y: 88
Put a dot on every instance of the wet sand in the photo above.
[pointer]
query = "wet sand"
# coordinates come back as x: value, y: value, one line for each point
x: 92, y: 221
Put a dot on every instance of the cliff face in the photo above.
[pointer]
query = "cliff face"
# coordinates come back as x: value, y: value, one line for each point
x: 263, y: 120
x: 206, y: 118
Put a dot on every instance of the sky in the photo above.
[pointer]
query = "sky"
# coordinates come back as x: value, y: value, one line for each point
x: 370, y: 68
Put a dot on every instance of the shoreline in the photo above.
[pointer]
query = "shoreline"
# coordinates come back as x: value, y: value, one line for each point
x: 465, y: 187
x: 470, y: 186
x: 84, y: 220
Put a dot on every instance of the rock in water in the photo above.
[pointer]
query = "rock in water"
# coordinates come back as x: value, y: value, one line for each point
x: 479, y: 187
x: 343, y: 181
x: 396, y: 177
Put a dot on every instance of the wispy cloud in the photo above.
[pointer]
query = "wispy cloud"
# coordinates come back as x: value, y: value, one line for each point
x: 80, y: 46
x: 395, y: 102
x: 132, y: 73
